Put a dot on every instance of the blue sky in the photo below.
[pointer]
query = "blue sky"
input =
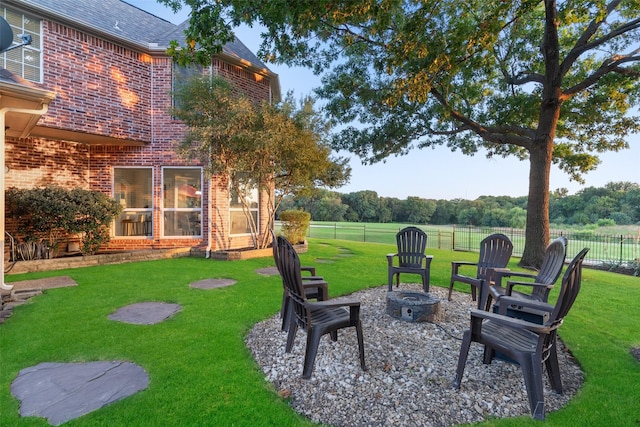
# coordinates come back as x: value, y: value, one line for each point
x: 435, y: 173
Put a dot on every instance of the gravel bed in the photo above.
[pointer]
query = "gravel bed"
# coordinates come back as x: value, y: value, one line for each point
x: 410, y: 370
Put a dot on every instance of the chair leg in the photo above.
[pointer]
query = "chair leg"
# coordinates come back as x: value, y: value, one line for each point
x: 462, y: 358
x: 425, y: 281
x: 390, y: 281
x: 450, y: 290
x: 293, y: 328
x: 553, y: 370
x: 313, y: 341
x: 360, y: 345
x: 532, y: 371
x: 285, y: 313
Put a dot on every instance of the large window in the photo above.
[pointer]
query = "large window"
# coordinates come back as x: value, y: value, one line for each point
x: 133, y: 189
x: 243, y: 204
x: 182, y: 201
x: 181, y: 75
x: 25, y: 61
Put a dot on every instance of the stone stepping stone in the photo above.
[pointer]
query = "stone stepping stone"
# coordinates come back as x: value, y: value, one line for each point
x: 61, y: 392
x: 213, y: 283
x: 145, y: 313
x: 268, y: 271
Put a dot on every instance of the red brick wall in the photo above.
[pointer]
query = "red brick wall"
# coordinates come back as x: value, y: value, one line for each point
x: 102, y: 88
x: 106, y: 89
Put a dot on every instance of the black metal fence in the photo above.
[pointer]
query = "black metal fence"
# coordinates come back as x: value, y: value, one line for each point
x: 619, y: 249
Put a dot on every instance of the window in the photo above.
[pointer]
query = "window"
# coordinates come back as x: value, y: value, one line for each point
x: 182, y: 201
x: 243, y: 188
x: 133, y: 189
x: 25, y: 61
x: 181, y: 75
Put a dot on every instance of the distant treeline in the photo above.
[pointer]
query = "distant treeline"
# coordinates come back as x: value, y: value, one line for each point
x: 615, y: 203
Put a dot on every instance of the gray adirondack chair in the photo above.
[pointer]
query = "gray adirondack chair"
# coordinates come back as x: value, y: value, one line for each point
x: 411, y: 258
x: 316, y: 318
x: 529, y: 344
x: 542, y: 282
x: 495, y: 252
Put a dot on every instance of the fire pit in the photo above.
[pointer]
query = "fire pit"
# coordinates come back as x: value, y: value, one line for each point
x: 413, y: 306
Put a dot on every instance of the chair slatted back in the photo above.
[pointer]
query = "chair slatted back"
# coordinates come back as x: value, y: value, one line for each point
x: 290, y: 264
x: 571, y: 282
x: 412, y: 244
x: 495, y: 252
x: 551, y: 267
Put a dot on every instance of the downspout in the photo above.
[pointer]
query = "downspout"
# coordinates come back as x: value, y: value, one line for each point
x: 3, y: 111
x: 210, y: 196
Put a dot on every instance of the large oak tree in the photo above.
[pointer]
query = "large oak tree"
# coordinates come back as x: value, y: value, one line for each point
x: 551, y: 82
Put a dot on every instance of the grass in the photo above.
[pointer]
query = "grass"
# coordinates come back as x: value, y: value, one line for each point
x: 201, y: 373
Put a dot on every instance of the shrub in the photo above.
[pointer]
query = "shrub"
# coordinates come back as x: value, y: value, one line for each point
x: 45, y: 216
x: 295, y: 224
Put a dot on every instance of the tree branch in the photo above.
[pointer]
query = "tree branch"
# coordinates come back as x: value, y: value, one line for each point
x: 608, y: 66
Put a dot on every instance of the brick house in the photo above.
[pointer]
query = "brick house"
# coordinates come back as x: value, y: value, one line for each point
x: 101, y: 67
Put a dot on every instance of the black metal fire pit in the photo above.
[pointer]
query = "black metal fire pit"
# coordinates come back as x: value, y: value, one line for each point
x: 413, y: 306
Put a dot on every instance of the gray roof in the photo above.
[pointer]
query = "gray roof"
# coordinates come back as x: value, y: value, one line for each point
x: 124, y: 21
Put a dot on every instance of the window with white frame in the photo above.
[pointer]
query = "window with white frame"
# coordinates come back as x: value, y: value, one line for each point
x: 133, y: 189
x: 182, y: 201
x: 243, y: 204
x: 25, y: 61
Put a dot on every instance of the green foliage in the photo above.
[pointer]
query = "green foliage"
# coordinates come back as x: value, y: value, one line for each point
x: 492, y: 211
x: 49, y: 214
x: 258, y: 145
x: 555, y: 82
x: 295, y: 224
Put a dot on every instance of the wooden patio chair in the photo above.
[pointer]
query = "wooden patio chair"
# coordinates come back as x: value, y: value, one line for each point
x: 542, y: 282
x: 528, y: 344
x: 316, y: 318
x: 412, y: 244
x: 495, y: 252
x: 315, y: 287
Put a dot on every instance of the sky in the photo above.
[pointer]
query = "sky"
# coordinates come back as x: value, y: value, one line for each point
x: 435, y: 173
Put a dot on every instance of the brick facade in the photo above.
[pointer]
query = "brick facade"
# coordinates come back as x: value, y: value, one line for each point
x: 111, y: 90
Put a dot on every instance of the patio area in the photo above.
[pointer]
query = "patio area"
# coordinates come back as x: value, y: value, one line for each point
x: 410, y: 370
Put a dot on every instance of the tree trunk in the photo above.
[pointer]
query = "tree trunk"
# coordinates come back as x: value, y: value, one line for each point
x: 537, y: 229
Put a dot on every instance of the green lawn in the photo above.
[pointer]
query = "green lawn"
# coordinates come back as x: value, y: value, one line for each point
x: 201, y: 374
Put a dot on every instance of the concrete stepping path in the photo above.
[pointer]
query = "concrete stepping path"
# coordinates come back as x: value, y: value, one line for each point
x: 63, y: 391
x: 212, y: 283
x: 145, y: 313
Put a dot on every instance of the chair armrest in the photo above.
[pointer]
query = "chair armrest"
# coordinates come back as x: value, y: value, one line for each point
x: 478, y: 315
x: 309, y: 269
x: 390, y: 259
x: 499, y: 273
x: 428, y: 259
x: 507, y: 301
x: 312, y: 278
x: 336, y: 302
x: 511, y: 284
x: 455, y: 265
x: 321, y: 285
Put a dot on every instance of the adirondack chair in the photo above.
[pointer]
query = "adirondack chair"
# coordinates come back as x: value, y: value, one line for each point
x: 412, y: 244
x: 495, y: 252
x: 528, y: 344
x: 316, y: 318
x: 315, y: 287
x: 552, y: 263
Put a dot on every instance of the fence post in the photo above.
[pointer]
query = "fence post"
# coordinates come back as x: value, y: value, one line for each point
x: 335, y: 230
x: 364, y: 232
x: 621, y: 244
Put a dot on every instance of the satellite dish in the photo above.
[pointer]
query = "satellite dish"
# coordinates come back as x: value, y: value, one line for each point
x: 6, y: 35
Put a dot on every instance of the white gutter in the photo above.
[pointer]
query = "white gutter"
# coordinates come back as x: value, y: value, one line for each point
x: 3, y: 111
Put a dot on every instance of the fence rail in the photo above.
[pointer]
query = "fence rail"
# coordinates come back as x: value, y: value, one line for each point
x: 620, y: 249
